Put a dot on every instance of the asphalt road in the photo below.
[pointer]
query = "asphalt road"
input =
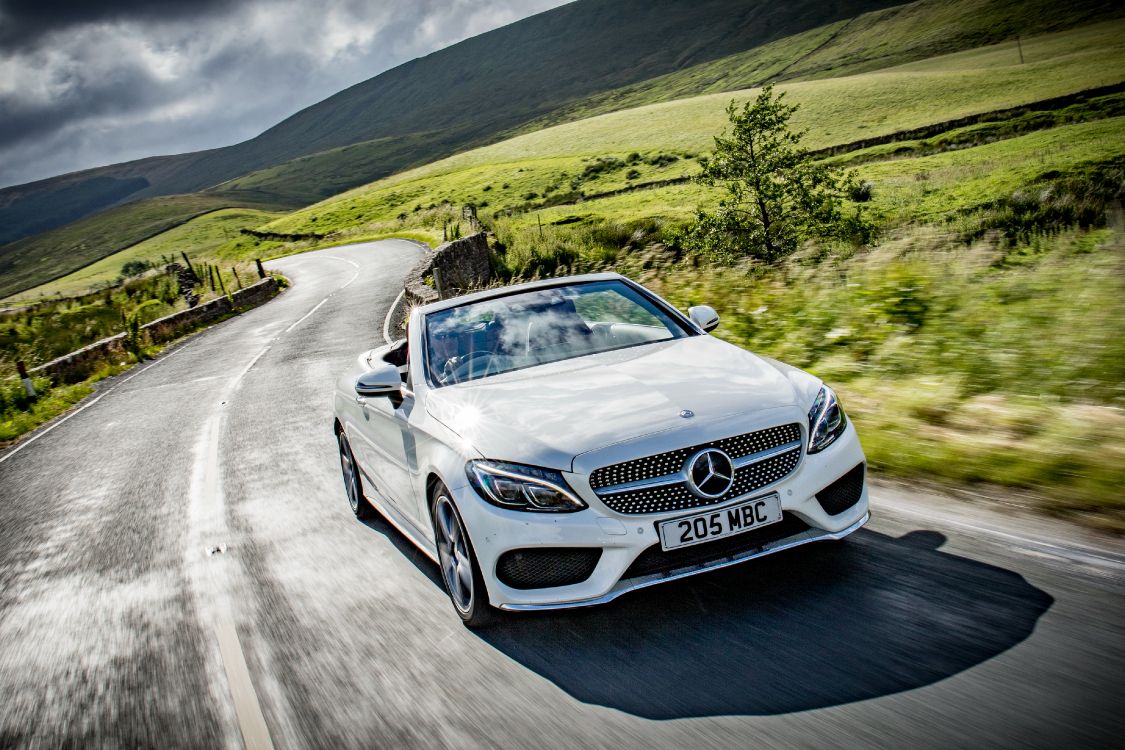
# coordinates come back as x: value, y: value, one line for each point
x: 179, y: 567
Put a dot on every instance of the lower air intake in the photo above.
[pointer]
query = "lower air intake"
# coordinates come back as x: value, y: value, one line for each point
x: 547, y: 567
x: 843, y: 493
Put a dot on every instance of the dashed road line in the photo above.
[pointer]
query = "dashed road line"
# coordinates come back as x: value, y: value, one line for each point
x: 213, y: 577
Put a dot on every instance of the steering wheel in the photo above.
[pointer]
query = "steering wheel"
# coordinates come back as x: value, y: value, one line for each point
x: 467, y: 368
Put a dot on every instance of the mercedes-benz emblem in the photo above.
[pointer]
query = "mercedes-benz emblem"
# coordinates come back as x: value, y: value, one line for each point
x: 710, y: 473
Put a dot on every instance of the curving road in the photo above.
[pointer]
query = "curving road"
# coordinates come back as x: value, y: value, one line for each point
x: 178, y: 567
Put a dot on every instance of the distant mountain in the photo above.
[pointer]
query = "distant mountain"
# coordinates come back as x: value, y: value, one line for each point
x: 458, y: 97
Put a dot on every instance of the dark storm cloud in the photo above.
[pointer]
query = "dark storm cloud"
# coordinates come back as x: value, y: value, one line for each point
x: 86, y: 84
x: 23, y: 22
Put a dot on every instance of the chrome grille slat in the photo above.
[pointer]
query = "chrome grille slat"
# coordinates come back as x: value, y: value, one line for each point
x: 655, y: 484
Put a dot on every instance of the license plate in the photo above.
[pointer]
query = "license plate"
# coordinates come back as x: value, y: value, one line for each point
x: 716, y: 524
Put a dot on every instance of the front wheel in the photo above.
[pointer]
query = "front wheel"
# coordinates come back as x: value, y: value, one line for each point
x: 353, y: 485
x: 460, y: 572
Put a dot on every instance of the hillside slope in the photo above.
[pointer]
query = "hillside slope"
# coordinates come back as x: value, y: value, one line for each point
x: 552, y: 160
x: 444, y: 103
x: 458, y: 96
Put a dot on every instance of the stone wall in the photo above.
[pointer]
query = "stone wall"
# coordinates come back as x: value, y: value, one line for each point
x: 460, y: 265
x: 78, y: 365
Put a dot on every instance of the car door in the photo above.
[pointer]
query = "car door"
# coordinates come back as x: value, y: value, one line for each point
x: 392, y: 448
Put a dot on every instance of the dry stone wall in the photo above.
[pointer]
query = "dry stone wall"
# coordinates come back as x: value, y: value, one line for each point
x: 78, y: 365
x: 457, y: 266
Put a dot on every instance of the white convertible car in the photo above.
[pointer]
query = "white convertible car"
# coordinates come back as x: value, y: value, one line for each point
x: 559, y: 443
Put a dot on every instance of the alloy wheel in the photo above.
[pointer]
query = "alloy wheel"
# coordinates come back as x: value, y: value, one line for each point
x: 453, y: 554
x: 351, y: 473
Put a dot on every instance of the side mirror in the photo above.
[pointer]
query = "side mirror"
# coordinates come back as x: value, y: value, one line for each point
x: 704, y: 316
x: 384, y: 380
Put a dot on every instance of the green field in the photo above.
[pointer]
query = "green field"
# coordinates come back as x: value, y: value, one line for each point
x: 36, y: 260
x: 199, y: 238
x: 990, y: 363
x: 906, y: 97
x: 920, y: 31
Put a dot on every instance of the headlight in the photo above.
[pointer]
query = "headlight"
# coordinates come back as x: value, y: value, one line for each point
x: 519, y: 487
x: 826, y: 420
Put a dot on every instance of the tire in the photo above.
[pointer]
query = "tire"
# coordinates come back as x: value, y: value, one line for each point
x: 353, y: 484
x: 457, y: 562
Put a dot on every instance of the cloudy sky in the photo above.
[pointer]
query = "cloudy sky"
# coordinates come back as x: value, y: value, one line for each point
x: 91, y: 82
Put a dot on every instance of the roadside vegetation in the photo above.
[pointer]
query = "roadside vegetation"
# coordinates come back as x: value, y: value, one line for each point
x: 37, y: 333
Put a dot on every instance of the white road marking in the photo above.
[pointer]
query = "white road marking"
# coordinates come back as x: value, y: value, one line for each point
x: 1076, y: 553
x: 306, y: 315
x: 387, y: 320
x: 213, y: 577
x: 252, y: 723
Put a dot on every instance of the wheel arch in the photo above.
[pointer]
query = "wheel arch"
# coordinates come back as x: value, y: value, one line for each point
x: 433, y: 479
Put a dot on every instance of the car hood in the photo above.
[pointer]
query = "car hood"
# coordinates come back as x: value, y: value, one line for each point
x: 548, y: 414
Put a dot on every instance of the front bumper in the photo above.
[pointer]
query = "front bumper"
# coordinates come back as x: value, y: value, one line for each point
x: 622, y: 538
x: 632, y: 584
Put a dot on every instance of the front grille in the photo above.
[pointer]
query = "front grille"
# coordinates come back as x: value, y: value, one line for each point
x: 677, y: 496
x: 656, y: 560
x: 546, y: 567
x: 843, y: 493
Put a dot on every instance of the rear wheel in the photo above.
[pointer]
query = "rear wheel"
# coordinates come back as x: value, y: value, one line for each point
x: 460, y: 572
x: 353, y: 485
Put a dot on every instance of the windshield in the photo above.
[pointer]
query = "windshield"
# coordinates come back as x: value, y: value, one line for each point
x: 544, y: 325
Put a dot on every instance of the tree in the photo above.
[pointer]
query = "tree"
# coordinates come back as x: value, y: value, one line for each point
x: 776, y: 195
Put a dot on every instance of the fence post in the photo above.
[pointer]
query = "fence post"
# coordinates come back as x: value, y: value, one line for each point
x: 190, y: 267
x: 236, y: 276
x: 27, y: 384
x: 261, y: 271
x: 438, y: 284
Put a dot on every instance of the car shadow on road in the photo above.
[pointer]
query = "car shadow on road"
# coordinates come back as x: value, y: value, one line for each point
x: 813, y: 627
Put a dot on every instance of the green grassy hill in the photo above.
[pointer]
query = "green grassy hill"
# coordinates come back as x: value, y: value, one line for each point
x: 199, y: 237
x: 563, y: 158
x: 36, y: 260
x: 428, y: 113
x: 460, y: 96
x: 873, y: 40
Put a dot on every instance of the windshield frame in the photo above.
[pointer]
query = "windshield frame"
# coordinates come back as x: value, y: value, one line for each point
x: 677, y: 318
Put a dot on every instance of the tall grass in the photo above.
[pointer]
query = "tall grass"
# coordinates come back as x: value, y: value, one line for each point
x: 998, y: 363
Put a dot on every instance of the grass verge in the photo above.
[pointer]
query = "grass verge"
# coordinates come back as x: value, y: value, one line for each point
x: 958, y: 365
